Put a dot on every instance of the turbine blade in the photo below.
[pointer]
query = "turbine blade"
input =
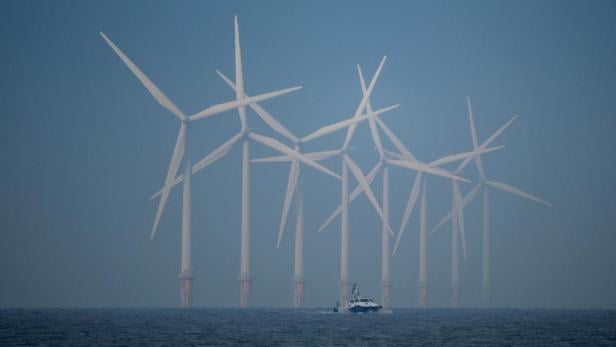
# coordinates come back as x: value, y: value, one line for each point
x: 328, y: 129
x: 239, y: 74
x: 374, y: 132
x: 359, y: 176
x: 212, y: 110
x: 277, y: 145
x: 321, y: 155
x: 498, y: 132
x: 516, y: 191
x: 409, y: 209
x: 478, y: 162
x: 467, y: 199
x: 394, y: 155
x: 416, y: 166
x: 471, y: 195
x: 363, y: 102
x: 147, y: 83
x: 176, y: 158
x: 354, y: 194
x: 460, y: 156
x: 293, y: 175
x: 313, y: 155
x: 396, y: 142
x: 217, y: 153
x: 206, y: 161
x: 265, y: 116
x: 487, y: 142
x: 278, y: 158
x: 441, y: 223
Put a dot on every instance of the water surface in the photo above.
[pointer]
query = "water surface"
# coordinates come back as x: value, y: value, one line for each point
x: 265, y: 327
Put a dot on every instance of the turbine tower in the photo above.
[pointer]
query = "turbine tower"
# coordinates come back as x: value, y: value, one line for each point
x: 182, y: 151
x: 422, y: 281
x: 485, y: 184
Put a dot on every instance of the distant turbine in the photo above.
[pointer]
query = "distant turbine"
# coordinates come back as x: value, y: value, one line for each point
x: 485, y: 184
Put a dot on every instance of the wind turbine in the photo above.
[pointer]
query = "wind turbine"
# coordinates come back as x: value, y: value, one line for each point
x: 485, y: 184
x: 182, y: 151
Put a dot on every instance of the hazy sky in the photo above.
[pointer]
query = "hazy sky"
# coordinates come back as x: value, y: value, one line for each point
x: 83, y: 145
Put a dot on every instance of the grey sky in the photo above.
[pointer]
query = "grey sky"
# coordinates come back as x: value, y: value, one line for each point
x: 83, y: 145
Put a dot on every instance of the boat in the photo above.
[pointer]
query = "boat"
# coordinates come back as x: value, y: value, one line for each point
x: 358, y: 303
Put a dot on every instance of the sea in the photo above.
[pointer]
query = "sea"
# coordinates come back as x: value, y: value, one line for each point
x: 306, y: 327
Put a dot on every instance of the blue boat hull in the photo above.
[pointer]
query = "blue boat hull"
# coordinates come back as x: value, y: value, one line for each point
x: 364, y: 309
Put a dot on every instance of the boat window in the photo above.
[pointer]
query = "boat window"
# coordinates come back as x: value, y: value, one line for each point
x: 364, y: 300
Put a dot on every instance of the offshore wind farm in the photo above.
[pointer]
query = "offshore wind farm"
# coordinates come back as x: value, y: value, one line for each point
x: 401, y: 157
x: 308, y: 173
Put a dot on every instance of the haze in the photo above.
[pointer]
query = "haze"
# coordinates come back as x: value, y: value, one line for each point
x: 84, y: 146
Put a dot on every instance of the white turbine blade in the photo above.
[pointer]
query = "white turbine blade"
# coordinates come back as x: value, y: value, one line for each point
x: 239, y: 74
x: 487, y: 142
x: 277, y: 145
x: 394, y: 155
x: 328, y: 129
x: 147, y: 83
x: 282, y: 158
x: 216, y: 154
x: 459, y: 208
x: 176, y: 158
x: 516, y: 191
x: 408, y: 210
x: 460, y: 156
x: 416, y: 166
x: 321, y: 155
x: 359, y: 176
x: 471, y: 195
x: 363, y: 102
x: 207, y: 160
x: 212, y: 110
x: 354, y: 194
x: 441, y: 223
x: 278, y: 158
x: 265, y: 116
x: 396, y: 142
x: 467, y: 199
x: 474, y: 138
x: 498, y: 132
x: 293, y: 175
x: 374, y: 132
